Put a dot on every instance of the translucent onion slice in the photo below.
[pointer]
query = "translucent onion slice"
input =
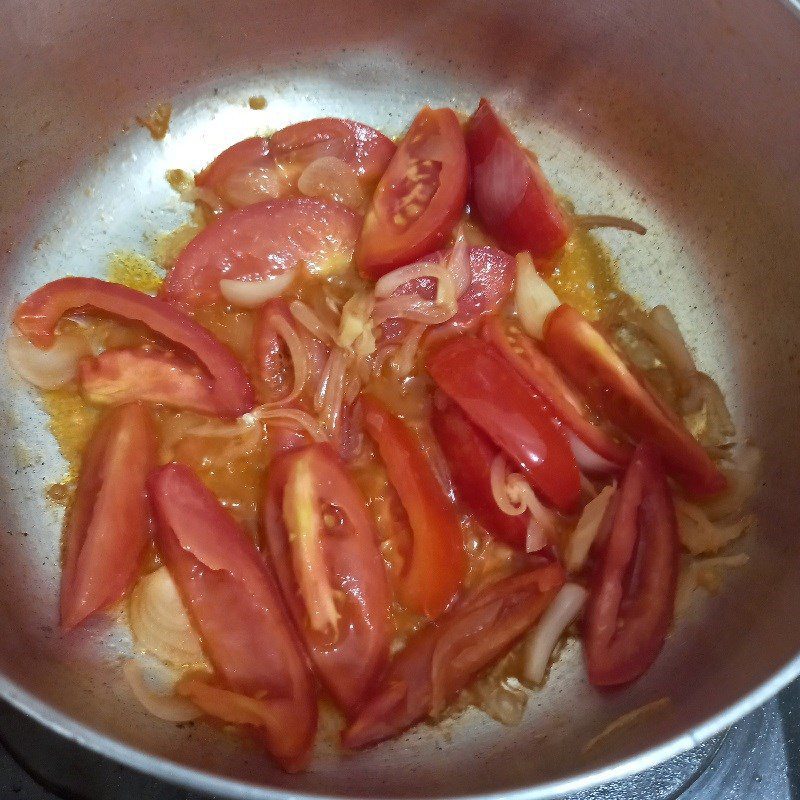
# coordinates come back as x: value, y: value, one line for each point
x: 498, y: 478
x: 698, y: 534
x: 534, y: 298
x: 247, y: 186
x: 164, y: 706
x: 332, y: 179
x: 405, y: 355
x: 587, y: 459
x: 589, y: 221
x: 288, y: 418
x: 389, y: 283
x: 51, y: 368
x: 160, y: 624
x: 414, y: 308
x: 458, y: 265
x: 299, y: 356
x: 252, y: 294
x: 541, y: 641
x: 331, y: 406
x: 580, y: 541
x: 311, y: 322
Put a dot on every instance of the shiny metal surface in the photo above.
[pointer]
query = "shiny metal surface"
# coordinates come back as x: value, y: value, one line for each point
x: 684, y: 115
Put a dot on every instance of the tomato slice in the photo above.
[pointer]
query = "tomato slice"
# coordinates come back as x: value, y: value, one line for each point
x: 447, y: 654
x: 590, y: 361
x: 259, y: 169
x: 233, y: 600
x: 491, y: 280
x: 129, y: 374
x: 324, y: 547
x: 109, y: 523
x: 492, y: 394
x: 542, y: 374
x: 632, y: 598
x: 436, y: 565
x: 509, y: 190
x: 37, y: 317
x: 261, y: 241
x: 420, y: 197
x: 470, y: 453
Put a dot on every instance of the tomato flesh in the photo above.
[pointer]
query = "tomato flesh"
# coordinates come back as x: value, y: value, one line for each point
x: 349, y: 655
x: 437, y: 562
x: 234, y: 602
x: 541, y: 373
x: 491, y: 393
x: 420, y: 197
x: 447, y: 654
x: 593, y: 365
x: 470, y: 453
x: 37, y: 317
x: 509, y: 190
x: 109, y: 523
x: 259, y: 242
x: 632, y: 598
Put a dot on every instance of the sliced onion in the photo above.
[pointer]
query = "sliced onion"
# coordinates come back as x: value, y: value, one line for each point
x: 389, y: 283
x: 547, y: 521
x: 331, y: 178
x: 588, y: 221
x: 51, y: 368
x: 288, y: 418
x: 159, y: 622
x: 252, y: 294
x: 311, y: 321
x: 458, y: 265
x: 698, y: 534
x: 352, y: 389
x: 580, y: 541
x: 331, y: 410
x: 541, y: 642
x: 535, y: 536
x: 743, y: 481
x: 247, y: 186
x: 297, y: 352
x: 413, y: 308
x: 587, y: 459
x: 164, y: 706
x: 405, y: 355
x: 534, y: 298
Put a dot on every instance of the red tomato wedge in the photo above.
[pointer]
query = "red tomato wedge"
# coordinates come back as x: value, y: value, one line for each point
x: 109, y: 523
x: 491, y: 393
x: 510, y: 192
x: 234, y: 602
x: 324, y: 547
x: 260, y: 169
x: 420, y: 197
x: 261, y: 241
x: 436, y: 565
x: 122, y: 376
x: 593, y: 365
x: 530, y: 361
x: 491, y: 280
x: 470, y: 453
x: 447, y: 654
x: 37, y: 317
x: 632, y: 598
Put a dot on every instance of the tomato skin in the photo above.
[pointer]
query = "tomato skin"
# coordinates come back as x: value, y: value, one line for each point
x: 37, y: 316
x: 129, y: 374
x: 233, y: 600
x: 437, y: 562
x: 109, y: 523
x: 541, y: 373
x: 470, y: 453
x: 510, y: 192
x: 491, y: 393
x: 434, y: 143
x: 349, y: 662
x: 260, y: 241
x: 288, y: 151
x: 590, y: 361
x: 492, y: 275
x: 626, y: 624
x: 443, y: 657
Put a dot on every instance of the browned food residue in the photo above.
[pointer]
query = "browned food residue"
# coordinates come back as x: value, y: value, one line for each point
x: 157, y: 121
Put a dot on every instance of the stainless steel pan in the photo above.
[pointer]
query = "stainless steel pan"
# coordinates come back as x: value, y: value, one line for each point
x: 684, y: 115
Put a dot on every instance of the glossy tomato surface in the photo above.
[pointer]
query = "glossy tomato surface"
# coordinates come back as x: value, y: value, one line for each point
x: 420, y: 197
x: 236, y: 606
x: 491, y: 393
x: 632, y: 599
x: 510, y: 193
x: 109, y: 523
x: 326, y: 551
